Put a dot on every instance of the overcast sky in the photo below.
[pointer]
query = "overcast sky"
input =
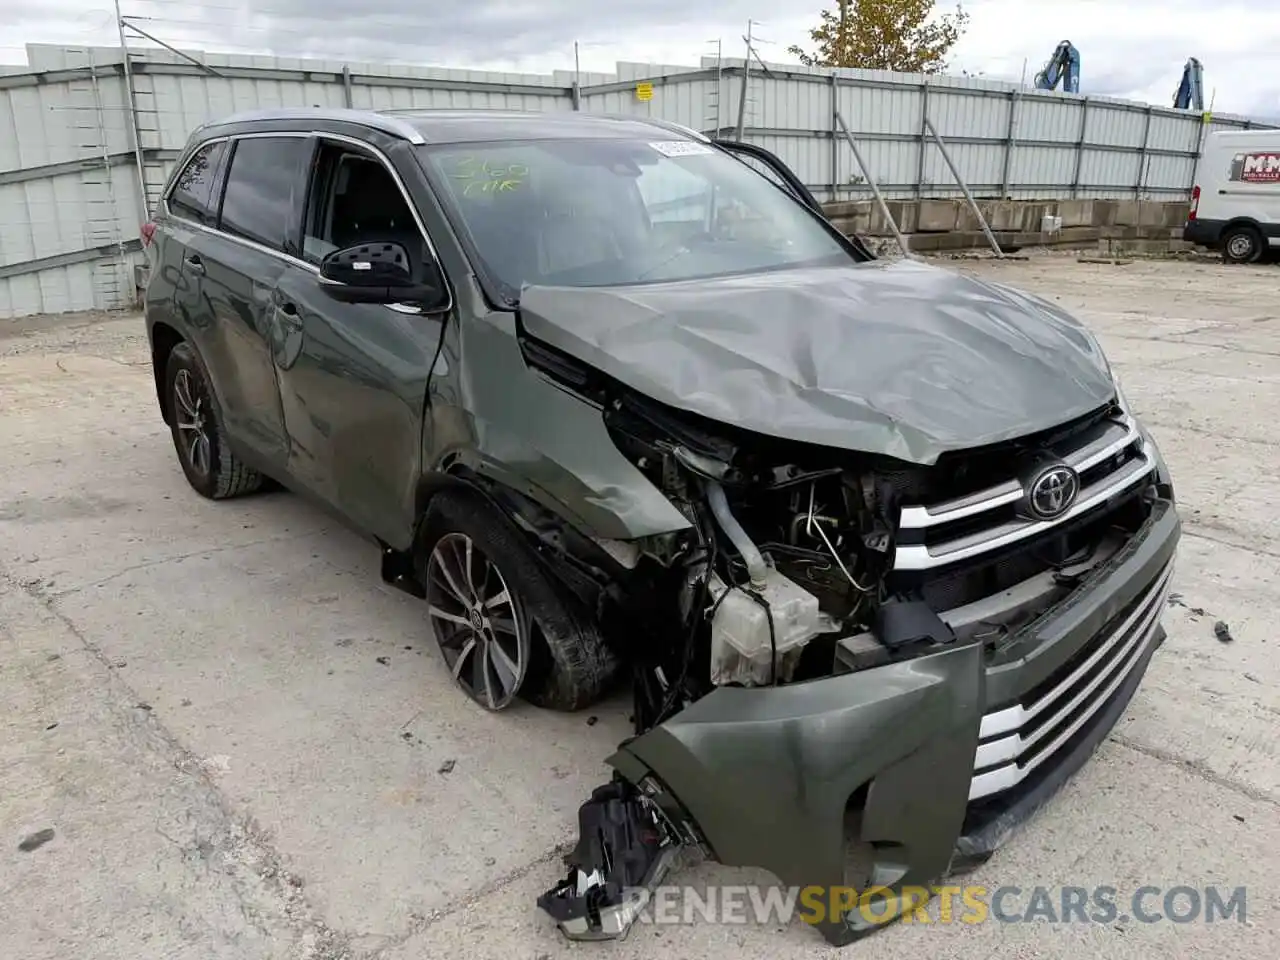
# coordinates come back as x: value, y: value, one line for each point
x: 1129, y: 48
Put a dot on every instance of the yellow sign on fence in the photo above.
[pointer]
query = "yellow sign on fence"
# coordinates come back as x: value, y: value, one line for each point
x: 644, y: 92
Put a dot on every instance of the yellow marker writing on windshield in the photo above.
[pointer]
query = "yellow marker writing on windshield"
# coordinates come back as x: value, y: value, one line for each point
x: 480, y: 177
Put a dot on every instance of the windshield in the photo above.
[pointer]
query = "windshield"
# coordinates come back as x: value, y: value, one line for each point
x: 585, y: 213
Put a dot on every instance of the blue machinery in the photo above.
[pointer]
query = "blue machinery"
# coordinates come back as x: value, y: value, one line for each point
x: 1190, y: 92
x: 1063, y: 69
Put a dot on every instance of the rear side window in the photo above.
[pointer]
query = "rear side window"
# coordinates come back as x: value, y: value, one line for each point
x: 192, y: 196
x: 258, y: 201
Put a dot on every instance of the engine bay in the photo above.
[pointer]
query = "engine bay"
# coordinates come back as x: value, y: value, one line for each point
x: 786, y: 573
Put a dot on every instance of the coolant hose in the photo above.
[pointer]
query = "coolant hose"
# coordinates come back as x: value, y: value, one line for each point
x: 756, y: 567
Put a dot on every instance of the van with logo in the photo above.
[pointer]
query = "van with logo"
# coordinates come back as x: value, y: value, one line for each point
x: 1235, y: 203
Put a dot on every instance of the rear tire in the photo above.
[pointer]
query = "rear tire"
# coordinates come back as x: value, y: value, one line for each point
x: 1242, y: 244
x: 199, y: 437
x: 569, y: 666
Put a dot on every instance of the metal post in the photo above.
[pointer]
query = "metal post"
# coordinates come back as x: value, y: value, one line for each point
x: 172, y: 49
x: 134, y: 130
x: 719, y: 86
x: 576, y: 93
x: 964, y: 187
x: 924, y: 136
x: 835, y: 141
x: 1084, y: 125
x: 746, y: 79
x: 1010, y: 144
x: 1143, y: 159
x: 1201, y: 129
x: 346, y: 87
x: 871, y: 182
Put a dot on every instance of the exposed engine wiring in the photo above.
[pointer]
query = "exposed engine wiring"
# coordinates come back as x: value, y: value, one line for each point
x: 811, y: 527
x: 695, y: 617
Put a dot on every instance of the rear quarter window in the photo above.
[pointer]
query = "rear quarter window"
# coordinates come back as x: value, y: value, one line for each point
x: 192, y: 194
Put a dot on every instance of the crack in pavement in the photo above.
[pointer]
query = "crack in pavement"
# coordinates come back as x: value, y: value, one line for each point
x: 1196, y: 534
x: 1198, y: 768
x: 1171, y: 338
x: 242, y: 842
x: 497, y: 885
x: 206, y: 551
x: 1162, y: 424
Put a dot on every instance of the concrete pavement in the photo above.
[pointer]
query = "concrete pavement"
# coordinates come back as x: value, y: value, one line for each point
x: 248, y: 747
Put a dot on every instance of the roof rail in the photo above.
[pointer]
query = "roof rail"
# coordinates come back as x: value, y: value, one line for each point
x: 670, y: 125
x: 674, y: 127
x: 365, y: 118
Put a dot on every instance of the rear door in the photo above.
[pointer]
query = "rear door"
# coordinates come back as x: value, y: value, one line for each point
x: 238, y: 266
x: 175, y: 287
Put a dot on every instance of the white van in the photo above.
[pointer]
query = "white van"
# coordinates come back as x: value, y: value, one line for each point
x: 1235, y: 204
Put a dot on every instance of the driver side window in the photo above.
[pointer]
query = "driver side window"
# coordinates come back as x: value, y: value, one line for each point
x: 354, y: 199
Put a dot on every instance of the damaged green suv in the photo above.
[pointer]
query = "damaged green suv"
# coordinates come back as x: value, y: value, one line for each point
x: 879, y: 549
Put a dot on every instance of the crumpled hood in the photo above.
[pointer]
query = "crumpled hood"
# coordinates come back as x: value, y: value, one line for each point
x: 896, y: 358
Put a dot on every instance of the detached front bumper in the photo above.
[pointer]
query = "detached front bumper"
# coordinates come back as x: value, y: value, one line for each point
x: 925, y: 765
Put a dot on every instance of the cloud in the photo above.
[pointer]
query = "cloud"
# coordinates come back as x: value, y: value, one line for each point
x: 1134, y: 48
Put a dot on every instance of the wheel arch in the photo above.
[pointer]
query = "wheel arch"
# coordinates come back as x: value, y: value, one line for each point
x: 566, y: 550
x: 163, y: 339
x: 1242, y: 221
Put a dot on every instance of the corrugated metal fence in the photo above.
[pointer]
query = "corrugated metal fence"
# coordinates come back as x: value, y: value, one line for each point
x: 75, y: 182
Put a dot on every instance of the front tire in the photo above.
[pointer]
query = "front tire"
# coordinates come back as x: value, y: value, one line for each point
x: 1242, y: 244
x: 563, y: 663
x: 199, y: 436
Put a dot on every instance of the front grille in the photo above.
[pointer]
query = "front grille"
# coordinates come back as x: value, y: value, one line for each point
x: 1015, y: 740
x: 1108, y: 454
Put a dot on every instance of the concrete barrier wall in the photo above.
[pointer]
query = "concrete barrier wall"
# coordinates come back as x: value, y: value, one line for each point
x: 952, y: 224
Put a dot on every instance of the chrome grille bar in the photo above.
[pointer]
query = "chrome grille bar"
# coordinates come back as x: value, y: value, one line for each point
x: 1135, y: 633
x: 1107, y: 440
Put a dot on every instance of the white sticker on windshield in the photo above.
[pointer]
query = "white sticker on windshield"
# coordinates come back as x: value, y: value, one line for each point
x: 681, y: 148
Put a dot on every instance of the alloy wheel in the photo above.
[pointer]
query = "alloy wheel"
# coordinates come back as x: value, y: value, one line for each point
x: 192, y: 420
x: 477, y: 621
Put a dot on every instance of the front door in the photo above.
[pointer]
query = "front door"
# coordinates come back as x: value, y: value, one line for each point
x: 353, y: 377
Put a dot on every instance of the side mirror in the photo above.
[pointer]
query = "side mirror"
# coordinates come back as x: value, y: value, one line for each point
x: 382, y: 272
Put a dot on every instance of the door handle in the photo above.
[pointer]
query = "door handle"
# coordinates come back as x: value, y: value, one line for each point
x: 194, y: 264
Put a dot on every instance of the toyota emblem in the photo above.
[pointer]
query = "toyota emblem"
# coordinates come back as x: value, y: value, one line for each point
x: 1052, y: 492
